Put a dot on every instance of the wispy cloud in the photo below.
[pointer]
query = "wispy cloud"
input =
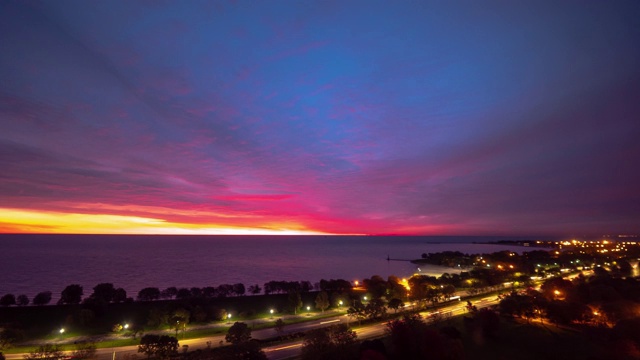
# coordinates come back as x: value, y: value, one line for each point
x: 332, y: 117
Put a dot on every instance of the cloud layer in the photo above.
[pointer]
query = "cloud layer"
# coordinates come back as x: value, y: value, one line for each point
x: 330, y: 117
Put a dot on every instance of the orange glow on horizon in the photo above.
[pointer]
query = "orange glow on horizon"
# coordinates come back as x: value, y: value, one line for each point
x: 30, y: 221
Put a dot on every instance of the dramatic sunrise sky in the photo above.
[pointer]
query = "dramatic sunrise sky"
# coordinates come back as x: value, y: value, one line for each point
x: 342, y: 117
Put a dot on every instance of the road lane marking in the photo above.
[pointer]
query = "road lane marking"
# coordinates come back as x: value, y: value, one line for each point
x: 330, y: 321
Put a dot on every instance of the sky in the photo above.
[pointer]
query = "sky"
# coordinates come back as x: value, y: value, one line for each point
x: 320, y: 117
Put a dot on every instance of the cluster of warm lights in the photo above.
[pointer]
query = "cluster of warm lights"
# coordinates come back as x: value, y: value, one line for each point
x: 594, y: 246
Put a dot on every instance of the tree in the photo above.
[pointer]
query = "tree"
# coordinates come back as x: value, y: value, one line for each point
x: 625, y: 267
x: 375, y: 309
x: 294, y: 300
x: 279, y: 326
x: 8, y: 300
x: 209, y: 292
x: 157, y: 317
x: 45, y: 352
x: 119, y: 295
x: 42, y: 298
x: 333, y: 342
x: 149, y: 294
x: 162, y: 346
x: 224, y: 290
x: 183, y: 293
x: 239, y: 289
x: 196, y: 292
x: 179, y: 320
x: 255, y: 289
x: 71, y: 295
x: 104, y: 292
x: 22, y: 300
x: 556, y: 288
x: 136, y: 329
x: 9, y: 336
x: 357, y: 311
x: 448, y: 291
x: 84, y: 350
x: 322, y: 301
x: 395, y: 304
x: 238, y: 333
x: 169, y: 293
x: 408, y: 337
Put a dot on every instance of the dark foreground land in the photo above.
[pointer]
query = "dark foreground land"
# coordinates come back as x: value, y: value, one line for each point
x: 579, y: 302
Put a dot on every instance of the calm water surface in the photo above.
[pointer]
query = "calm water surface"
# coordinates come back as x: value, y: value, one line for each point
x: 34, y: 263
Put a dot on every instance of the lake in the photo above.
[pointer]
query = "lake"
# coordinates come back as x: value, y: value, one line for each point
x: 34, y: 263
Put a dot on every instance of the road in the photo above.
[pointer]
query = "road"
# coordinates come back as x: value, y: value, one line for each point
x: 291, y: 349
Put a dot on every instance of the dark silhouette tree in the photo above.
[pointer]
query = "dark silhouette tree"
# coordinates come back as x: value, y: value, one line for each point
x: 149, y: 294
x: 395, y: 304
x: 238, y: 289
x: 71, y: 295
x: 119, y: 295
x: 169, y: 293
x: 333, y: 342
x: 8, y: 300
x: 375, y: 309
x: 9, y: 336
x: 239, y: 333
x: 161, y: 346
x: 294, y: 301
x: 22, y: 300
x: 322, y: 301
x: 357, y: 311
x: 255, y: 289
x: 179, y: 320
x: 42, y: 298
x: 183, y: 293
x: 104, y: 292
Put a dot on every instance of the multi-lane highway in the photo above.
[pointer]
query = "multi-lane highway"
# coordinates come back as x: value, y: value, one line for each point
x: 369, y: 331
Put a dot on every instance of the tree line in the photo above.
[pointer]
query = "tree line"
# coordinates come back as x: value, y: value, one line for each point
x: 108, y: 293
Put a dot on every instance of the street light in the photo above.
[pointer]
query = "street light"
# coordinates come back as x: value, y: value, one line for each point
x: 229, y: 318
x: 126, y: 326
x: 308, y: 309
x: 340, y: 303
x: 271, y: 312
x: 365, y: 298
x: 61, y: 330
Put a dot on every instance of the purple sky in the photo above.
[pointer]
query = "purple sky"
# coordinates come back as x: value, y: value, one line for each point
x: 358, y: 117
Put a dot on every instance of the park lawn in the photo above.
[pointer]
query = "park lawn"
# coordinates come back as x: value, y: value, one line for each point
x: 189, y: 334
